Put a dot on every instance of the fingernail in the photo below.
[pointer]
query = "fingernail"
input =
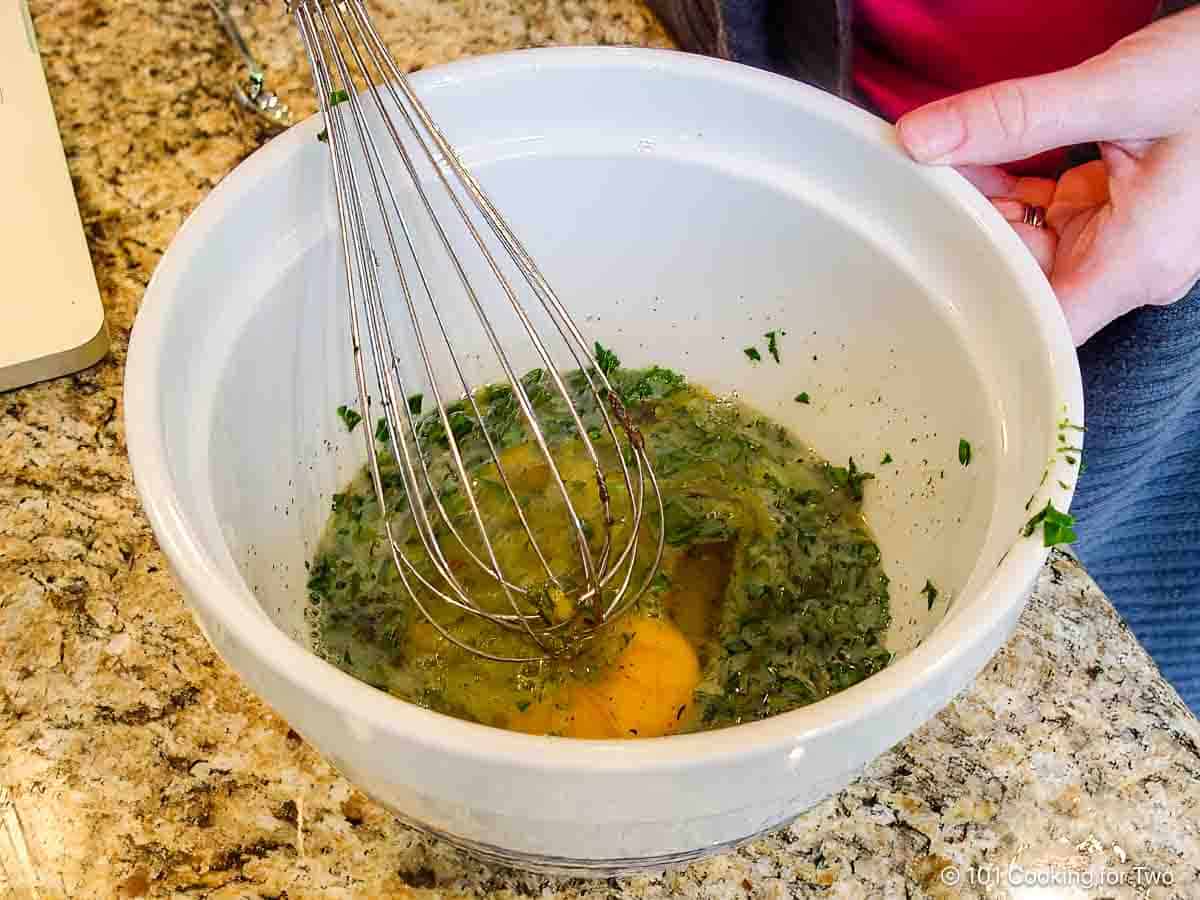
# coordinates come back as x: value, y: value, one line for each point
x: 930, y: 133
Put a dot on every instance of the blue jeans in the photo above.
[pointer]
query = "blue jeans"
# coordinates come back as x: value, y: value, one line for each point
x: 1138, y: 503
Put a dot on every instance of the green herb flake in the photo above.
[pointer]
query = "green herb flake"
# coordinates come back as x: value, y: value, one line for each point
x: 687, y: 524
x: 656, y: 383
x: 773, y: 343
x: 802, y: 397
x: 930, y: 592
x: 887, y: 458
x: 381, y: 431
x: 964, y: 451
x: 320, y: 578
x: 849, y: 478
x: 606, y: 360
x: 414, y: 404
x: 350, y: 418
x: 661, y: 582
x: 752, y: 354
x: 335, y: 97
x: 522, y: 705
x: 1056, y: 526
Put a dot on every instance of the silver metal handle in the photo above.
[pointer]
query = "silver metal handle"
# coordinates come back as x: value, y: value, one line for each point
x: 252, y: 95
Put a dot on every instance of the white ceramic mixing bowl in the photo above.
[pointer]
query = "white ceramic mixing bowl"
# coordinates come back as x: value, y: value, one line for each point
x: 682, y: 207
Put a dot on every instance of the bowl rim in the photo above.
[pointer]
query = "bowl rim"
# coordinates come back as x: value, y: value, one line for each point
x: 208, y: 587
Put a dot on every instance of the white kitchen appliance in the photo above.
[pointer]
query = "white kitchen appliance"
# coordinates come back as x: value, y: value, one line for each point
x: 51, y: 317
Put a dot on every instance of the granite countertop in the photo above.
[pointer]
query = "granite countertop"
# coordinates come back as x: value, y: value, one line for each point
x: 133, y: 762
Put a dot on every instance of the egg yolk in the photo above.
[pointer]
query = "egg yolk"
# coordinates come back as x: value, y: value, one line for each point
x: 646, y: 692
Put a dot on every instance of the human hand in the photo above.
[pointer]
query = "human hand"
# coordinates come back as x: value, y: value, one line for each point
x: 1124, y: 232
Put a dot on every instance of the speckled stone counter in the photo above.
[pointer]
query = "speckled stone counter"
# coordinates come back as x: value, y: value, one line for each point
x: 133, y: 763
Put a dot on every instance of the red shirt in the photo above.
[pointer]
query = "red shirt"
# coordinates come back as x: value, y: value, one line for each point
x: 910, y: 52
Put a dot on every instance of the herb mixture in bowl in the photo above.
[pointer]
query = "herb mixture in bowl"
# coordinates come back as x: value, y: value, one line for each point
x: 770, y: 595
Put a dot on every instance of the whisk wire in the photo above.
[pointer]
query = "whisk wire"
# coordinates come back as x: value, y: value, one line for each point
x: 360, y: 261
x: 346, y: 121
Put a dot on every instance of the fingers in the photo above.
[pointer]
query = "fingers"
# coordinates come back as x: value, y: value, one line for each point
x: 991, y: 181
x: 1042, y: 242
x: 1083, y: 184
x: 1035, y: 191
x: 1079, y: 189
x: 994, y: 182
x: 1012, y: 196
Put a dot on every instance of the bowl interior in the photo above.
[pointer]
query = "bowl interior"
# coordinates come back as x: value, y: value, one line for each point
x: 682, y: 212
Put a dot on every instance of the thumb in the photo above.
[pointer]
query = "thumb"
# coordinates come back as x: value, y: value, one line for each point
x: 1016, y: 119
x: 1141, y: 88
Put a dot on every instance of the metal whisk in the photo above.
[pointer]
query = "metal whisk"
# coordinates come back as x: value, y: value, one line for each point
x: 407, y: 204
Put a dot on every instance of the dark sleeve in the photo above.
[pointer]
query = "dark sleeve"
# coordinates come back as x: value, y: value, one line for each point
x: 813, y: 42
x: 694, y: 24
x: 804, y: 39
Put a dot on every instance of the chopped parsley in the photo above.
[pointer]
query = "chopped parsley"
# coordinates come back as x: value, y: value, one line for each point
x: 320, y: 578
x: 848, y: 478
x: 802, y: 397
x: 350, y: 418
x: 688, y: 523
x: 654, y: 383
x: 414, y: 404
x: 335, y: 97
x: 606, y: 360
x: 752, y: 354
x: 798, y: 596
x: 964, y: 451
x: 887, y: 458
x: 1056, y: 526
x: 930, y: 592
x: 773, y: 343
x: 381, y: 431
